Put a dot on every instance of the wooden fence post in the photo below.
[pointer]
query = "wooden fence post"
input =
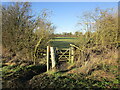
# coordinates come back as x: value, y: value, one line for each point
x: 53, y: 57
x: 72, y: 54
x: 48, y: 57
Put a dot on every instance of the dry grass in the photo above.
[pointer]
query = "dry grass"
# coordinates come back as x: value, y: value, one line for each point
x: 100, y: 75
x: 100, y: 67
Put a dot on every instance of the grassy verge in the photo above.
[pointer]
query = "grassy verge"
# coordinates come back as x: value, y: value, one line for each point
x: 17, y: 76
x: 70, y: 81
x: 34, y: 77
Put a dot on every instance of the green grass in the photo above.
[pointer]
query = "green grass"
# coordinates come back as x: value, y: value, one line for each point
x: 69, y: 81
x: 9, y: 72
x: 30, y: 77
x: 63, y: 42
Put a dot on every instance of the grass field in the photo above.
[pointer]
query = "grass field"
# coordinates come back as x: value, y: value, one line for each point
x: 63, y: 42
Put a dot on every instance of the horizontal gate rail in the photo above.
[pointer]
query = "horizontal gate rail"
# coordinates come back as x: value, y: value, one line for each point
x: 63, y: 53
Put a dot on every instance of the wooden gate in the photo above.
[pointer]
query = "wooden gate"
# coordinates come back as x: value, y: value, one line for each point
x: 63, y: 54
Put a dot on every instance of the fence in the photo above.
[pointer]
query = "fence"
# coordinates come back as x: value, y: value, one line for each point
x: 55, y: 54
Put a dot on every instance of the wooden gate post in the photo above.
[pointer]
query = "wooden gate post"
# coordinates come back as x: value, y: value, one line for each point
x: 48, y: 58
x: 72, y: 54
x: 53, y: 57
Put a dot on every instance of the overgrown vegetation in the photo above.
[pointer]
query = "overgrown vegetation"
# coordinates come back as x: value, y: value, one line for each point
x: 96, y: 47
x: 24, y: 33
x: 54, y: 80
x: 25, y: 37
